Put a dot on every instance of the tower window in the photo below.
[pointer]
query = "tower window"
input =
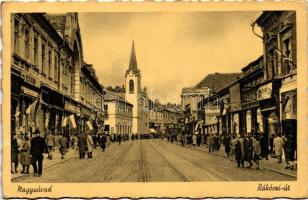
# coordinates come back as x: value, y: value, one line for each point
x: 131, y: 86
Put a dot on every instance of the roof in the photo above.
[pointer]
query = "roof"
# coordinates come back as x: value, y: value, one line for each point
x: 218, y: 81
x: 113, y: 96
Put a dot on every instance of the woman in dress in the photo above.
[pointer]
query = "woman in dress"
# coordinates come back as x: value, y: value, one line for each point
x: 25, y: 155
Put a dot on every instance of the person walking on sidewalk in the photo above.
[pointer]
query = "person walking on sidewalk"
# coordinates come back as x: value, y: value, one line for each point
x: 289, y: 151
x: 119, y: 138
x: 75, y: 143
x: 25, y: 155
x: 227, y: 145
x: 50, y: 141
x: 37, y: 147
x: 90, y: 145
x: 82, y: 145
x: 271, y: 143
x: 14, y: 153
x: 103, y: 141
x: 63, y: 145
x: 256, y: 151
x: 278, y: 144
x: 194, y: 139
x: 239, y: 153
x: 248, y: 150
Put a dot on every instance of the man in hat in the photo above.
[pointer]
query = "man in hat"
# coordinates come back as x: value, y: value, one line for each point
x: 36, y: 151
x: 82, y: 145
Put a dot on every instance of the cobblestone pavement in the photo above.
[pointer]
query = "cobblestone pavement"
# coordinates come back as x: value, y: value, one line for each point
x: 150, y: 161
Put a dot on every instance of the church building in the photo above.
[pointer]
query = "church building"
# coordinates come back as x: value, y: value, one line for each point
x: 137, y: 96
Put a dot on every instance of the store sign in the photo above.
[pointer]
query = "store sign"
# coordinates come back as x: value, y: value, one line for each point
x: 265, y: 92
x: 29, y: 92
x: 30, y: 79
x: 72, y: 108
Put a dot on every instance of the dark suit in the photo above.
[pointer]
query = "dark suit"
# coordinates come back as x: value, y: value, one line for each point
x: 82, y: 145
x: 36, y: 151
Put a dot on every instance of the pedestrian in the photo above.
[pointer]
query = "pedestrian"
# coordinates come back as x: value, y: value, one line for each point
x: 25, y: 155
x: 289, y: 151
x: 238, y: 151
x: 232, y: 147
x: 278, y: 144
x: 82, y: 145
x: 119, y: 138
x: 271, y: 143
x: 199, y: 140
x: 242, y: 150
x: 264, y: 147
x: 90, y: 145
x: 37, y: 147
x: 227, y: 141
x: 194, y: 139
x: 14, y: 153
x: 50, y: 141
x: 211, y: 143
x: 248, y: 150
x: 56, y: 139
x: 75, y: 143
x: 63, y: 145
x: 103, y: 141
x: 256, y: 151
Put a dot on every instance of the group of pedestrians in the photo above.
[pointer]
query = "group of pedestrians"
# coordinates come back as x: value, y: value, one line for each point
x: 246, y: 150
x: 29, y: 149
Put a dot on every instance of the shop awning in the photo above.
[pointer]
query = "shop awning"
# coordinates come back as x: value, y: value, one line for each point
x: 152, y: 130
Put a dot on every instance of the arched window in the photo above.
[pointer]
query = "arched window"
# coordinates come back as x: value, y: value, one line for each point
x: 131, y: 86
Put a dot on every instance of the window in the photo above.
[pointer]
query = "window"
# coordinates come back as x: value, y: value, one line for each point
x: 287, y: 56
x: 56, y: 73
x: 43, y: 59
x: 271, y: 64
x: 131, y: 86
x: 35, y: 52
x: 49, y: 62
x: 106, y: 108
x: 16, y: 36
x: 27, y: 43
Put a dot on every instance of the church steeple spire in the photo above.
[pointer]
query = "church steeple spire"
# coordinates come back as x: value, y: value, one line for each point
x: 133, y: 60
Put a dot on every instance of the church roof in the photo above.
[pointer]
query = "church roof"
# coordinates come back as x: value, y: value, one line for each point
x: 133, y: 66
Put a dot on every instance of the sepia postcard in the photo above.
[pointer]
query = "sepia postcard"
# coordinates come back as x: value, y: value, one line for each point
x: 154, y: 99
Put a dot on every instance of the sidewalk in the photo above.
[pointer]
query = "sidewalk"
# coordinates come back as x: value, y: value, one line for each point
x: 48, y: 163
x: 270, y: 164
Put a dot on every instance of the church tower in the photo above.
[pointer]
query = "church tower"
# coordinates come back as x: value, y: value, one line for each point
x: 133, y: 90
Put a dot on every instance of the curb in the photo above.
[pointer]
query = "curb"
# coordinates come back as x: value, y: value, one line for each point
x: 267, y: 168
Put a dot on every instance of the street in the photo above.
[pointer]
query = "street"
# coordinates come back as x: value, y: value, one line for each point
x: 151, y: 160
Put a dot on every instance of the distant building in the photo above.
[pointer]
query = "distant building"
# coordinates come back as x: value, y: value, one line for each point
x: 119, y: 116
x: 136, y: 96
x: 191, y: 98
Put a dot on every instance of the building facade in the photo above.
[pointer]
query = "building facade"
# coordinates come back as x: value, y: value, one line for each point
x: 279, y: 40
x: 119, y: 118
x: 44, y: 68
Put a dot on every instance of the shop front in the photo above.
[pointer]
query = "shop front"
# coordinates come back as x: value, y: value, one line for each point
x: 267, y: 95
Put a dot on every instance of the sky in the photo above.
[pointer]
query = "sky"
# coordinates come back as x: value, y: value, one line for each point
x: 173, y: 49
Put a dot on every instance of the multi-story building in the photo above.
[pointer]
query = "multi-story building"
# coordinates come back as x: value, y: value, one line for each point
x: 119, y: 115
x: 279, y: 92
x: 44, y: 69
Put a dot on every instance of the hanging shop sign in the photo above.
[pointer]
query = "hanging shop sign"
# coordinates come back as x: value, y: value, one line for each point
x: 265, y: 92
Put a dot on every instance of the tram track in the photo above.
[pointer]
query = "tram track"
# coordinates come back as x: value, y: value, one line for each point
x: 106, y: 175
x: 176, y: 171
x: 143, y: 172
